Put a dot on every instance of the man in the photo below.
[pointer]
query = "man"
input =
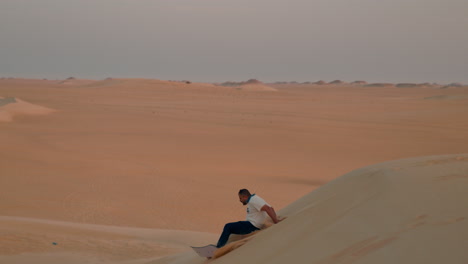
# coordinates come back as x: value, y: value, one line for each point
x: 257, y: 211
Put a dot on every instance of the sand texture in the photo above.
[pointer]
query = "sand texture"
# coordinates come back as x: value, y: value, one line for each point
x: 134, y: 170
x: 11, y: 107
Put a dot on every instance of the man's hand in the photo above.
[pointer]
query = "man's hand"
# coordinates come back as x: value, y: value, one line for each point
x: 281, y: 219
x: 271, y: 212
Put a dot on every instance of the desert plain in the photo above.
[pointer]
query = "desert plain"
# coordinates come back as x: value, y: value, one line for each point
x: 137, y: 170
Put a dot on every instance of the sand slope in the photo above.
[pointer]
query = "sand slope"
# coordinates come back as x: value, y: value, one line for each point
x: 404, y: 211
x: 11, y: 107
x: 27, y: 240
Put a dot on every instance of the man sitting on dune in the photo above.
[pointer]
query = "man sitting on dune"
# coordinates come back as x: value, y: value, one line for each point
x: 257, y: 211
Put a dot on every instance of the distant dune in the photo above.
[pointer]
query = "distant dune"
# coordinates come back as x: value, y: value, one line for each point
x: 366, y: 84
x: 404, y: 211
x: 320, y: 82
x: 11, y: 107
x: 337, y: 82
x: 447, y: 97
x: 380, y: 85
x: 359, y: 82
x: 74, y: 81
x: 452, y: 85
x: 250, y: 85
x: 414, y: 85
x: 106, y: 82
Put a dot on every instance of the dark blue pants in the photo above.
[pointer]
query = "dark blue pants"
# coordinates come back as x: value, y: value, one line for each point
x: 238, y: 228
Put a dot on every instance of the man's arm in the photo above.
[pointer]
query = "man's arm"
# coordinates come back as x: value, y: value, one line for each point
x: 271, y: 212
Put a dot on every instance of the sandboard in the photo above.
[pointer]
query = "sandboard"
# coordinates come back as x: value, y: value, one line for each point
x: 206, y: 251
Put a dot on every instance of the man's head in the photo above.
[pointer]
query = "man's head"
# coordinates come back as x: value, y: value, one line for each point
x: 244, y: 196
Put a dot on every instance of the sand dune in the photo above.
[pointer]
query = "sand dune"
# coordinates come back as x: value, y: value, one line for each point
x: 43, y: 241
x: 405, y: 211
x: 359, y: 82
x: 250, y: 85
x: 257, y: 87
x: 138, y: 83
x: 72, y: 81
x: 447, y: 97
x: 11, y: 107
x: 379, y: 85
x: 336, y: 82
x: 321, y: 82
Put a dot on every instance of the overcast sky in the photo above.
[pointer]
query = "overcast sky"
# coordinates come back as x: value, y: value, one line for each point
x: 221, y: 40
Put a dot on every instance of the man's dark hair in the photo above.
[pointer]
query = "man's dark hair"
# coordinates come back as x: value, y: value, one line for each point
x: 244, y: 192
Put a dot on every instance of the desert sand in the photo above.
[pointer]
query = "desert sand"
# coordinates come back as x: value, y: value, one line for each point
x: 136, y: 170
x: 404, y: 211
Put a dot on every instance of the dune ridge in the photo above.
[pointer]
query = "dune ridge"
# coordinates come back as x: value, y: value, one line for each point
x: 11, y: 107
x: 250, y: 85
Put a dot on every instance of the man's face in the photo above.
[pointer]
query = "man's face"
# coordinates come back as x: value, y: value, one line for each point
x: 243, y: 199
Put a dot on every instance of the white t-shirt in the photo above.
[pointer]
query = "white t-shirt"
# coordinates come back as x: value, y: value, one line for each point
x: 254, y: 213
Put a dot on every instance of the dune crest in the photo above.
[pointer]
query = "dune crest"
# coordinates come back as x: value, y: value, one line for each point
x: 72, y: 81
x: 11, y: 107
x: 250, y: 85
x: 380, y: 85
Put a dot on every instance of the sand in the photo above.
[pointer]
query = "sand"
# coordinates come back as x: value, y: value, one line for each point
x: 404, y: 211
x: 46, y: 241
x: 168, y: 156
x: 11, y: 107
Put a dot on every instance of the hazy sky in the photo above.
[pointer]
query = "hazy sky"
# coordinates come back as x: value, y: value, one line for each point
x: 220, y: 40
